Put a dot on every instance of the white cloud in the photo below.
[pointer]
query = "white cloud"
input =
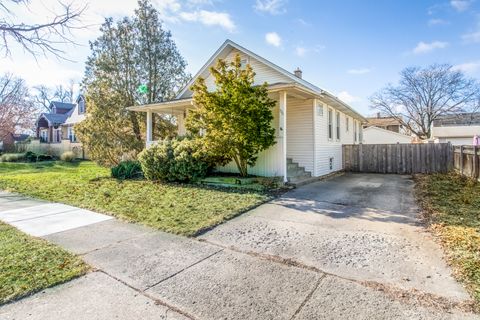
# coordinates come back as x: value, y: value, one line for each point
x: 270, y: 6
x: 300, y: 51
x: 425, y: 47
x: 468, y: 67
x: 303, y: 22
x: 210, y: 18
x: 359, y: 71
x: 273, y: 39
x: 438, y: 22
x: 472, y: 37
x: 346, y: 97
x: 460, y: 5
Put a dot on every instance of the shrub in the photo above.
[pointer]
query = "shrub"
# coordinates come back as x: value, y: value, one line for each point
x: 30, y: 156
x: 174, y: 160
x: 129, y: 169
x: 12, y: 157
x: 68, y: 156
x: 44, y: 157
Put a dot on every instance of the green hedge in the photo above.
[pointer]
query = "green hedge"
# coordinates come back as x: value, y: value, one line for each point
x: 175, y: 160
x: 127, y: 170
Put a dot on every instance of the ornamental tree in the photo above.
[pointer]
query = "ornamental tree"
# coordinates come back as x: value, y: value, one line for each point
x: 234, y: 122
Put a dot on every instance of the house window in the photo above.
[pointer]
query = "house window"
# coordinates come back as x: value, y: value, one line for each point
x: 338, y: 125
x: 347, y: 124
x: 44, y: 136
x: 71, y: 134
x: 319, y: 107
x: 355, y: 131
x: 81, y: 106
x: 330, y: 162
x: 243, y: 63
x: 57, y: 133
x: 330, y: 125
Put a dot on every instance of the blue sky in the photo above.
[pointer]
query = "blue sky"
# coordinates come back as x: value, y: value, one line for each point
x: 351, y: 48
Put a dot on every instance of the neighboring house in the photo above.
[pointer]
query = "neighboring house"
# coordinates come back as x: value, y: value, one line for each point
x: 8, y: 142
x: 387, y: 123
x: 375, y: 135
x: 310, y: 123
x: 57, y: 125
x: 458, y: 129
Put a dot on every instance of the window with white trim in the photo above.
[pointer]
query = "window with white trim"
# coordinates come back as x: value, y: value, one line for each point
x: 330, y: 124
x: 319, y: 107
x: 71, y: 134
x: 355, y: 131
x: 347, y: 124
x: 338, y: 125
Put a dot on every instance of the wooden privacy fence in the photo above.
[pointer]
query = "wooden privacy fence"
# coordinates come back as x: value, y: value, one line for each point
x: 398, y: 158
x: 466, y: 160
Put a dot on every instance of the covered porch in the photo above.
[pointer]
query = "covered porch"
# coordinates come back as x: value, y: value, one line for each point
x: 295, y: 131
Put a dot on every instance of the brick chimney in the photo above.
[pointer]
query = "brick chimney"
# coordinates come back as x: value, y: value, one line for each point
x: 298, y: 73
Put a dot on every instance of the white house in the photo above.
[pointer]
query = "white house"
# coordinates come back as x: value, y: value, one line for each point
x: 376, y: 135
x: 458, y: 129
x: 310, y: 123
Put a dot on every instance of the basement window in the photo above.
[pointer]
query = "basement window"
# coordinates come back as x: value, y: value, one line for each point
x: 331, y: 163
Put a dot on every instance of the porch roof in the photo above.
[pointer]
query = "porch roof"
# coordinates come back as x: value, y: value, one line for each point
x: 178, y: 106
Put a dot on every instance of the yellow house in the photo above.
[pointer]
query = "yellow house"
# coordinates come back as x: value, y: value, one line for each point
x: 310, y: 123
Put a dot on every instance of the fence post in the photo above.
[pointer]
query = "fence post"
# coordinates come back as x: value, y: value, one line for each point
x: 360, y: 160
x: 475, y: 163
x: 461, y: 159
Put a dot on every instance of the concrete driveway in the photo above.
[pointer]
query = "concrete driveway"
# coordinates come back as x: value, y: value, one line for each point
x: 357, y: 227
x: 346, y: 248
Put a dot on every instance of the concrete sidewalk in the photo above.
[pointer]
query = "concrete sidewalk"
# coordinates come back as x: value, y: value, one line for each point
x: 141, y: 273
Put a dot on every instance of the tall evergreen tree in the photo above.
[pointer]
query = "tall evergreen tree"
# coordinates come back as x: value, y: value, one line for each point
x: 129, y: 53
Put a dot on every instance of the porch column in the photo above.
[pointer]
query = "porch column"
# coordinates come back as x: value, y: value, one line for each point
x: 149, y: 128
x: 283, y: 127
x: 315, y: 114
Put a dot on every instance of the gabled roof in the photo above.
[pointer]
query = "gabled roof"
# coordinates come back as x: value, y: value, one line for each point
x: 383, y: 121
x: 62, y: 105
x: 222, y: 52
x: 54, y: 119
x: 293, y: 80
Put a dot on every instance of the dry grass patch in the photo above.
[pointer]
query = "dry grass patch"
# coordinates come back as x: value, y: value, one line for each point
x: 451, y: 206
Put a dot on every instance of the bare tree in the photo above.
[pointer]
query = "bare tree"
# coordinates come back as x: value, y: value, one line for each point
x: 16, y: 109
x: 41, y: 38
x: 45, y: 95
x: 423, y: 95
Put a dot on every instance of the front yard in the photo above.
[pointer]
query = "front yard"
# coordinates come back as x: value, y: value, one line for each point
x: 177, y: 208
x: 451, y: 205
x: 28, y: 264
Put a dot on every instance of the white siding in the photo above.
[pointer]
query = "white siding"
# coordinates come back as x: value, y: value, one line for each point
x: 300, y: 132
x: 269, y: 162
x: 263, y: 73
x: 373, y: 135
x: 331, y: 148
x: 457, y: 141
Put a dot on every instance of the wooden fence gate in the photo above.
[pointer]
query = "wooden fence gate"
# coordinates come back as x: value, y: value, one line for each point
x: 398, y: 158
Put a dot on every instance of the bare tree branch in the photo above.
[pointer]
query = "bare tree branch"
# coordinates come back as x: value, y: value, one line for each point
x: 16, y: 110
x: 423, y: 95
x: 42, y: 38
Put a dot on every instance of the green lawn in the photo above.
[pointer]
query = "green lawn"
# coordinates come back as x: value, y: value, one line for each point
x: 29, y: 264
x: 176, y: 208
x: 451, y: 204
